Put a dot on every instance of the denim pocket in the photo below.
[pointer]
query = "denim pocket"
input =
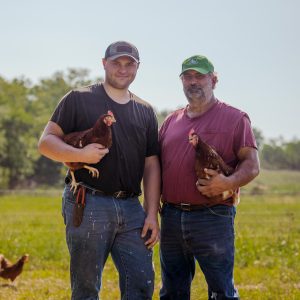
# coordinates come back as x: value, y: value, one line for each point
x: 222, y: 211
x: 68, y: 195
x: 225, y: 215
x: 68, y: 201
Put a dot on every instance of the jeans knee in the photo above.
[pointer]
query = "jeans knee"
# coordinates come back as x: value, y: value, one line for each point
x: 141, y: 286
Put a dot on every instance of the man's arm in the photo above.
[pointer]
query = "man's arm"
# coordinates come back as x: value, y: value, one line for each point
x: 51, y: 145
x: 246, y: 171
x: 151, y: 183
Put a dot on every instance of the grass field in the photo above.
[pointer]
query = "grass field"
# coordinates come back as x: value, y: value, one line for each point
x: 267, y: 245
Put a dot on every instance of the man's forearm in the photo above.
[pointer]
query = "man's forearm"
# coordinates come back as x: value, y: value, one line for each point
x: 151, y: 183
x: 54, y: 148
x: 246, y: 171
x: 51, y: 145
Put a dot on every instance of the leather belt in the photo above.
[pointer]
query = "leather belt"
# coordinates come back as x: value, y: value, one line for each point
x: 185, y: 206
x: 117, y: 195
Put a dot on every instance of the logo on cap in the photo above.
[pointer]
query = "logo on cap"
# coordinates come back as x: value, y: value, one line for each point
x: 192, y: 61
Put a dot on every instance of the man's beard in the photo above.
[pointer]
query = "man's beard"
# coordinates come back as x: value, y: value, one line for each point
x: 194, y: 92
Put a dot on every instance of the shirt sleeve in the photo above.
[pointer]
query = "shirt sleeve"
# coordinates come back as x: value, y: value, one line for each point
x: 164, y: 127
x: 152, y: 135
x: 243, y: 135
x: 65, y: 113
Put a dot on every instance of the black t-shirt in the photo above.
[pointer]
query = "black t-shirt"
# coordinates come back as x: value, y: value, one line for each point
x: 135, y: 136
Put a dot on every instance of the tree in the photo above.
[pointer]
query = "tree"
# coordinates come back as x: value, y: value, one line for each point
x: 259, y: 137
x: 16, y: 126
x: 46, y: 95
x: 279, y: 154
x: 292, y: 152
x: 25, y: 110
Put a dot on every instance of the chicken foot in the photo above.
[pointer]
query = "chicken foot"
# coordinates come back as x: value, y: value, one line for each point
x: 74, y: 184
x: 94, y: 171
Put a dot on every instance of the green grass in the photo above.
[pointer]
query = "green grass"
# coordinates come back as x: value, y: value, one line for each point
x: 267, y: 247
x: 270, y: 181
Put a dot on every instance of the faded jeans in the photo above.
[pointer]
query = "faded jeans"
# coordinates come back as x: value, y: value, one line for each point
x: 110, y: 226
x: 205, y: 235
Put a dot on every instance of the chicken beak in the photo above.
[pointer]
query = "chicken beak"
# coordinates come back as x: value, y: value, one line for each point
x: 113, y: 120
x: 112, y: 117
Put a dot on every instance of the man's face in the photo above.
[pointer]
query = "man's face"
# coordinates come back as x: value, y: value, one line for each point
x: 120, y: 72
x: 197, y: 86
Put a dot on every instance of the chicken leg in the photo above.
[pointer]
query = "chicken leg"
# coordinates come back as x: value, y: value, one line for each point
x: 74, y: 184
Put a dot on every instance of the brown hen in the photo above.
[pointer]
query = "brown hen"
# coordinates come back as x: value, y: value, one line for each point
x: 100, y: 133
x: 11, y: 271
x: 208, y: 158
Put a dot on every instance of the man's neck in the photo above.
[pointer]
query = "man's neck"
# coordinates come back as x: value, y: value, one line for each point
x: 121, y: 96
x: 198, y: 108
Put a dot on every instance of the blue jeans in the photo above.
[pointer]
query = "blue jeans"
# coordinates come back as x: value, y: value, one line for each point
x: 110, y: 226
x: 205, y: 235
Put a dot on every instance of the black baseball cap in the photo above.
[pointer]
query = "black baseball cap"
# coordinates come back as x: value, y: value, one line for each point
x: 122, y: 48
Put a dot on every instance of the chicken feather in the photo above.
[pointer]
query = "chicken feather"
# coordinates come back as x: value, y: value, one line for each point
x: 100, y: 133
x: 11, y: 271
x: 208, y: 158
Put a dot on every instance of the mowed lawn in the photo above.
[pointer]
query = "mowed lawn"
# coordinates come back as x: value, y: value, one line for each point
x: 267, y: 245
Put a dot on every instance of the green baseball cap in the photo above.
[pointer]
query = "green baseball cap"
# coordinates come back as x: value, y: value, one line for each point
x: 198, y: 63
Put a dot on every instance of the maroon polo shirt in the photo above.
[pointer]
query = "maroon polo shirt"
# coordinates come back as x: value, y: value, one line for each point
x: 224, y: 127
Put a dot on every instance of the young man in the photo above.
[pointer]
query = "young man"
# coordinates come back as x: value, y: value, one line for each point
x: 193, y: 227
x: 113, y: 221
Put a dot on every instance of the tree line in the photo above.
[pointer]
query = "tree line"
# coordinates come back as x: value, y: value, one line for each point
x: 25, y: 108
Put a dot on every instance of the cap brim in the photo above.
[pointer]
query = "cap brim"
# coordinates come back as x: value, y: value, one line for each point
x: 199, y: 70
x: 123, y: 54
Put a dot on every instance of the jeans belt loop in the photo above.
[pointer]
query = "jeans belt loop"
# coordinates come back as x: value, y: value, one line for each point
x: 118, y: 194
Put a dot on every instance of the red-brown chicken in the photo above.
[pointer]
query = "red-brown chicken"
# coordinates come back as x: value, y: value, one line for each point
x: 208, y: 158
x: 12, y: 271
x: 100, y: 133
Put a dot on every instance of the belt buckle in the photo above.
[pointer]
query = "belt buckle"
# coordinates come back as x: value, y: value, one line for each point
x: 185, y: 206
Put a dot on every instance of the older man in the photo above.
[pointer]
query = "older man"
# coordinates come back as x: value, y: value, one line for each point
x: 193, y: 227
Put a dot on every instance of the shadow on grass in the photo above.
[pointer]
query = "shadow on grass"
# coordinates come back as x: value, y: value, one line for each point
x: 7, y: 285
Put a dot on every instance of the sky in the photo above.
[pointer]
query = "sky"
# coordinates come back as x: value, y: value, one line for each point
x: 254, y: 46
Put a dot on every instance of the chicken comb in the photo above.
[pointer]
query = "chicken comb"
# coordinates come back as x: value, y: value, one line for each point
x: 191, y: 131
x: 109, y: 112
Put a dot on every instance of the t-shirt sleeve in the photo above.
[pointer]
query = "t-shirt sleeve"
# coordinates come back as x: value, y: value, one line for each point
x: 243, y: 135
x: 152, y: 135
x: 65, y: 114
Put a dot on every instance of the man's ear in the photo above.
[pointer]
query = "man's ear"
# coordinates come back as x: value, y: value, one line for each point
x: 214, y: 80
x: 103, y: 62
